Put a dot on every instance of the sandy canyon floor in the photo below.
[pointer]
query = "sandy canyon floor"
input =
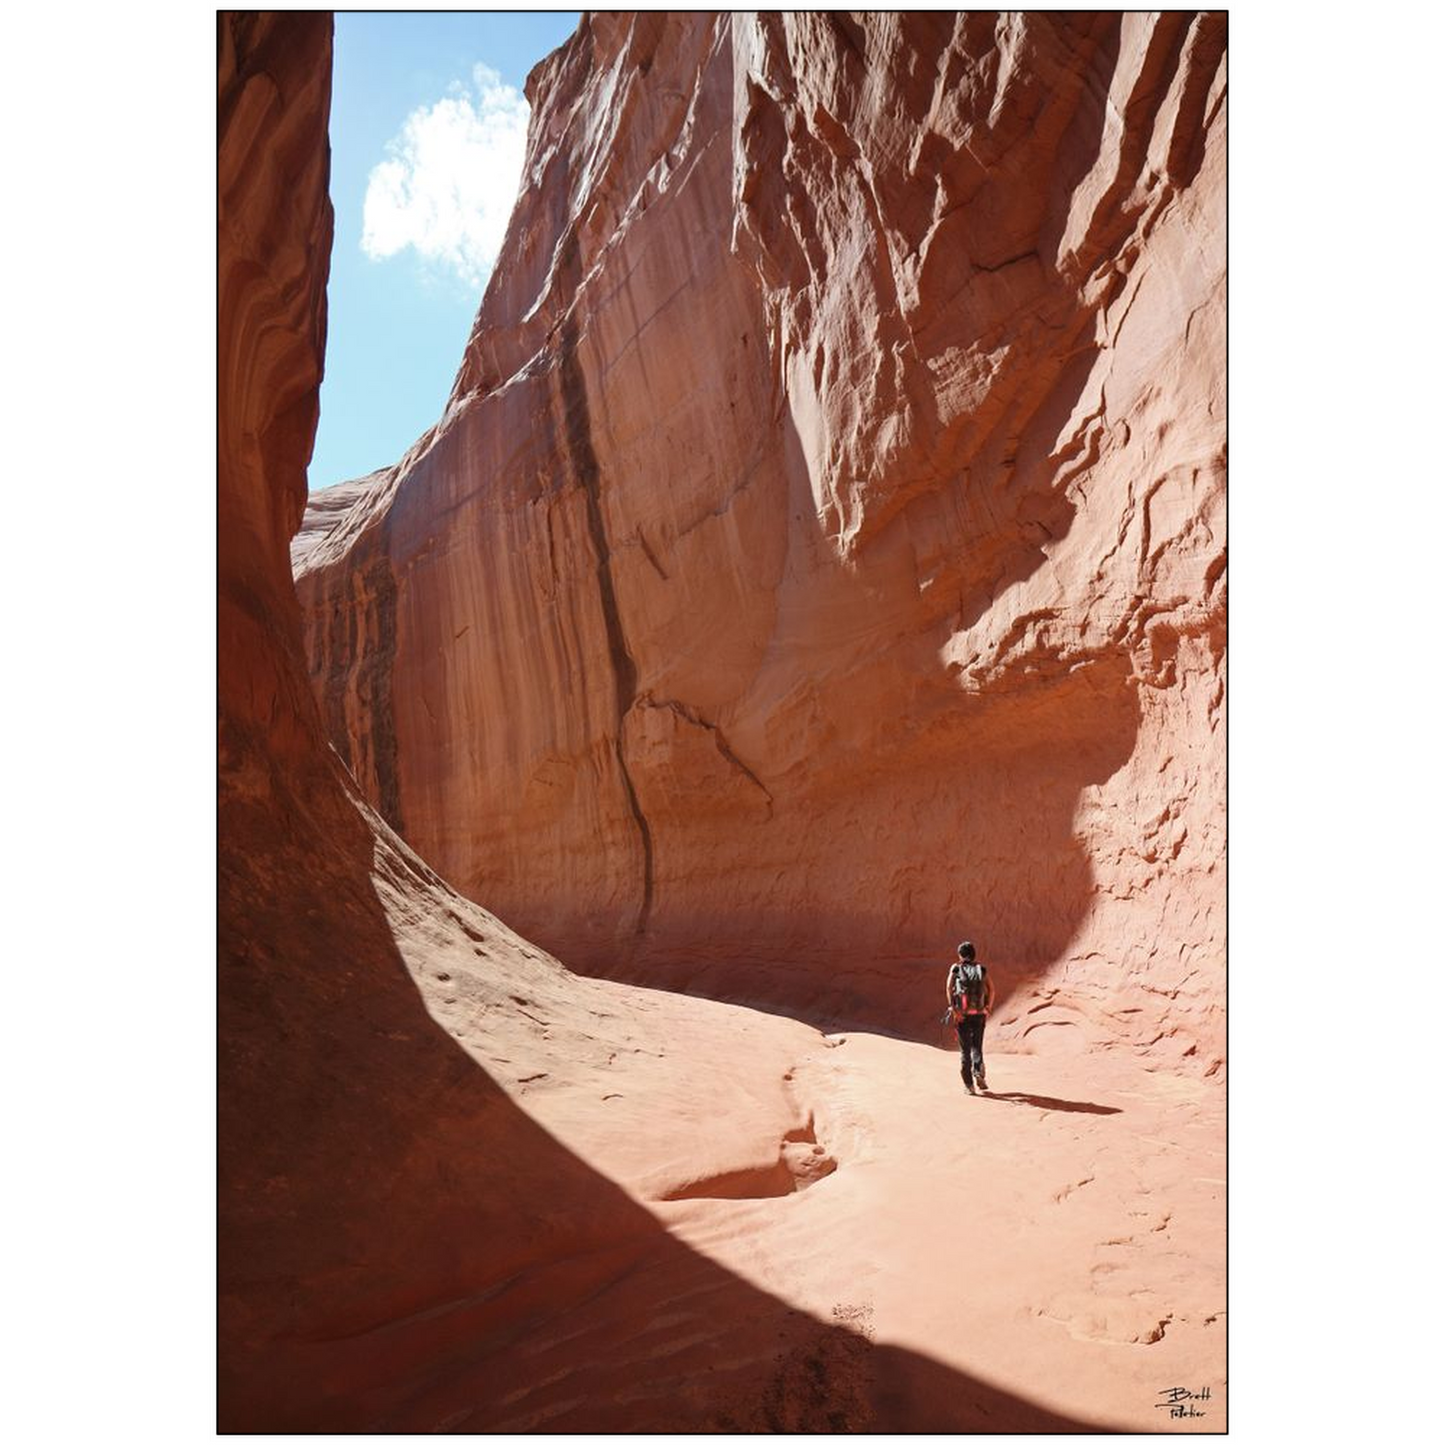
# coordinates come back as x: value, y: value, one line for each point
x: 1058, y: 1241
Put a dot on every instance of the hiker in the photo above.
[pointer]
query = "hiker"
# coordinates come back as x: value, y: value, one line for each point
x: 970, y: 997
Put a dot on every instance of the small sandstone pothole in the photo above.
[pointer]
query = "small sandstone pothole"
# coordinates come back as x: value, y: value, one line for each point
x: 801, y: 1162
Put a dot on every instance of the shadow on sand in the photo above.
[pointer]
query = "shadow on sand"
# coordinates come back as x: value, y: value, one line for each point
x: 1066, y: 1106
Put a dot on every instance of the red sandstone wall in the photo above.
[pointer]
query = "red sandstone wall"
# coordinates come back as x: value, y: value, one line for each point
x: 821, y: 555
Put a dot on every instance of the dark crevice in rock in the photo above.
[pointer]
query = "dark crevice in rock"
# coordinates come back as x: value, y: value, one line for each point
x: 582, y: 461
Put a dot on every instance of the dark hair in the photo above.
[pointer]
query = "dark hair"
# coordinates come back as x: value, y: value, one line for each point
x: 965, y: 952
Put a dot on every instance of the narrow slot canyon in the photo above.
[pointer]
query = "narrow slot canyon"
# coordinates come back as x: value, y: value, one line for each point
x: 818, y: 560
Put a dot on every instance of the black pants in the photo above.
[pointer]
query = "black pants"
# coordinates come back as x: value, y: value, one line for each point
x: 970, y: 1046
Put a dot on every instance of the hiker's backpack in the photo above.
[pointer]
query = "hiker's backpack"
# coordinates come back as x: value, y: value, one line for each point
x: 970, y: 989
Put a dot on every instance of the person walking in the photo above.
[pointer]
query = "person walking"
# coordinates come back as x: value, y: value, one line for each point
x: 970, y: 997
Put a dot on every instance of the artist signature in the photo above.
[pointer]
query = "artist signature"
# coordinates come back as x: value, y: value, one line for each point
x: 1180, y: 1402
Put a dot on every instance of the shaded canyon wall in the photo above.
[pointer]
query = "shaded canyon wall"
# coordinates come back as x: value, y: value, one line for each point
x: 821, y: 555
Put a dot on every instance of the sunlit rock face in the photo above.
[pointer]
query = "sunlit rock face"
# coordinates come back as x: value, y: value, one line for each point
x: 821, y: 555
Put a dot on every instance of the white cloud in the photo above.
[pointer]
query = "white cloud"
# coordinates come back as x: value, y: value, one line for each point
x: 450, y: 179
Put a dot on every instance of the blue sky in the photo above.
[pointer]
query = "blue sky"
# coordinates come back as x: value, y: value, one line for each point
x: 426, y: 123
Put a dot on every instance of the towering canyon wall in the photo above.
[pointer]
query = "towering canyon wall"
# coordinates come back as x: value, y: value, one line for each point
x: 821, y: 555
x: 329, y: 1086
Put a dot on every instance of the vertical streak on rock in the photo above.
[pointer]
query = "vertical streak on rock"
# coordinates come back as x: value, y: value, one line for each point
x: 341, y: 646
x: 582, y: 460
x: 381, y: 707
x: 360, y: 640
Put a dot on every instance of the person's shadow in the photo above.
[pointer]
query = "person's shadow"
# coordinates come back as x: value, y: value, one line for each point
x: 1067, y: 1106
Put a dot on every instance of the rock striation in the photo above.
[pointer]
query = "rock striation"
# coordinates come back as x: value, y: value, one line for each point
x: 821, y: 555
